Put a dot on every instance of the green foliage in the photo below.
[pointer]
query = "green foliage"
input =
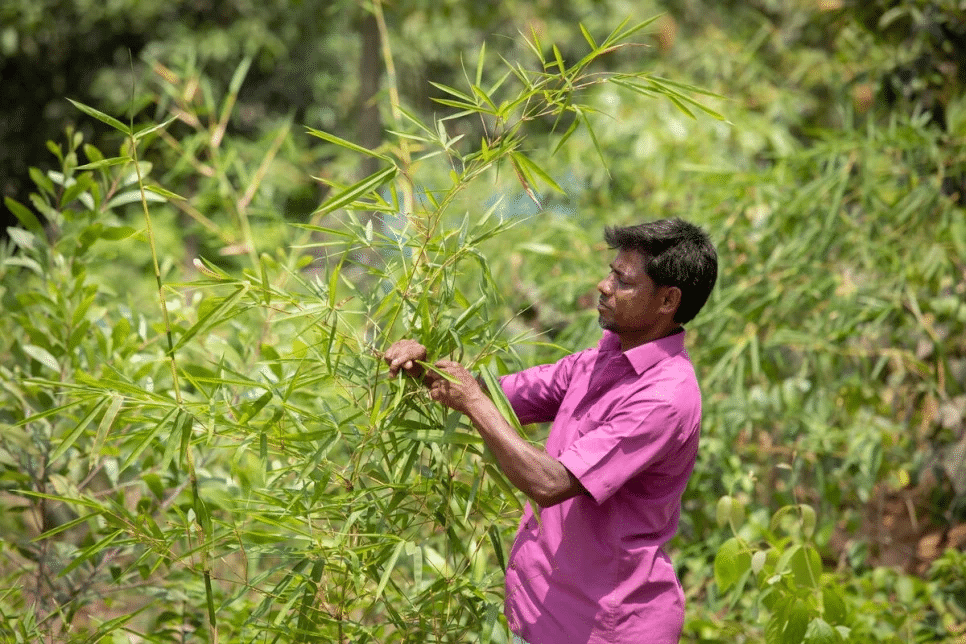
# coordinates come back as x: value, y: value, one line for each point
x: 198, y: 440
x: 798, y: 602
x: 242, y: 458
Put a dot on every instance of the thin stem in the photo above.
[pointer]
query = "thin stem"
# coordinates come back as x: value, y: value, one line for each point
x: 409, y: 200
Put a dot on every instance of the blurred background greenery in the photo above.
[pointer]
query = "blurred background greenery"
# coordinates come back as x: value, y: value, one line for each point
x: 829, y: 164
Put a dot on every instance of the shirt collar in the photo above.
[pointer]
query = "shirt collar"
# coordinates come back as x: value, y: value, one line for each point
x: 645, y: 356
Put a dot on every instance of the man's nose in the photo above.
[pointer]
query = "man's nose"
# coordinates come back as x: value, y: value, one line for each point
x: 604, y: 286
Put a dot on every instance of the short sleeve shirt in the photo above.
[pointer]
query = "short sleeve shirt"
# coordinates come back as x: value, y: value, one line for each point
x: 626, y: 424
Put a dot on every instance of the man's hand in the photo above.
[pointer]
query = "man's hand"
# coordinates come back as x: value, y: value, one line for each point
x: 404, y: 354
x: 462, y: 393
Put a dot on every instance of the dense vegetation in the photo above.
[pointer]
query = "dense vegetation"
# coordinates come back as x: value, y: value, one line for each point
x: 198, y: 438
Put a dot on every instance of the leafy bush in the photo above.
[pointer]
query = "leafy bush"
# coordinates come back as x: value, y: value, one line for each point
x: 242, y: 459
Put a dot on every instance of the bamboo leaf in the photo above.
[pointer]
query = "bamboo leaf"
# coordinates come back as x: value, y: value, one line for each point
x: 42, y: 356
x: 69, y: 500
x: 617, y: 35
x: 140, y: 134
x: 239, y: 76
x: 89, y: 552
x: 104, y: 427
x: 533, y: 169
x: 212, y: 317
x: 479, y: 64
x: 158, y: 190
x: 356, y: 190
x: 64, y: 527
x: 104, y: 163
x: 348, y: 145
x: 134, y: 196
x: 387, y: 571
x: 439, y: 372
x: 452, y: 91
x: 53, y: 411
x: 101, y: 116
x: 534, y: 45
x: 593, y: 137
x: 146, y: 439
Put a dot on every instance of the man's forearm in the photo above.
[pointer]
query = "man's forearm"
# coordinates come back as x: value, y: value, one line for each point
x: 537, y: 474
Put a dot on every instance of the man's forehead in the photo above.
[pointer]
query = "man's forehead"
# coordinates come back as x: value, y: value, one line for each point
x: 628, y: 261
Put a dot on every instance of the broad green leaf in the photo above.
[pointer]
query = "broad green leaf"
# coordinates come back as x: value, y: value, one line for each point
x: 833, y: 604
x: 723, y: 512
x: 758, y: 561
x: 22, y: 238
x: 117, y: 233
x: 252, y: 409
x: 489, y: 622
x: 25, y: 262
x: 796, y: 618
x: 82, y: 184
x: 806, y: 565
x: 731, y: 562
x: 42, y: 181
x: 78, y: 315
x: 808, y: 520
x: 821, y: 632
x: 24, y: 215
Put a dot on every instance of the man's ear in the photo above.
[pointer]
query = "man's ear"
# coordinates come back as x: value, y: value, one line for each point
x: 671, y: 301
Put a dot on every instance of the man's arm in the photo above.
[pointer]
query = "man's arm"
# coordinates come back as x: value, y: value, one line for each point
x: 534, y: 472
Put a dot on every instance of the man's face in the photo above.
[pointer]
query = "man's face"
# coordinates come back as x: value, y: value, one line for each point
x: 630, y: 303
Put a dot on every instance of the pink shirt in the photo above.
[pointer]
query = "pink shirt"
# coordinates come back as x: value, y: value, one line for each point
x: 626, y: 425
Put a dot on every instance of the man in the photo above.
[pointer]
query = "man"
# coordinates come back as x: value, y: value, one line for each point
x: 622, y: 446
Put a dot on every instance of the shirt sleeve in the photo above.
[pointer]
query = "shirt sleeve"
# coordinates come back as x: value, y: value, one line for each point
x: 647, y: 433
x: 536, y: 393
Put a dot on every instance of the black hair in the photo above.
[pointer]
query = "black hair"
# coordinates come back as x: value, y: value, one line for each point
x: 676, y: 253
